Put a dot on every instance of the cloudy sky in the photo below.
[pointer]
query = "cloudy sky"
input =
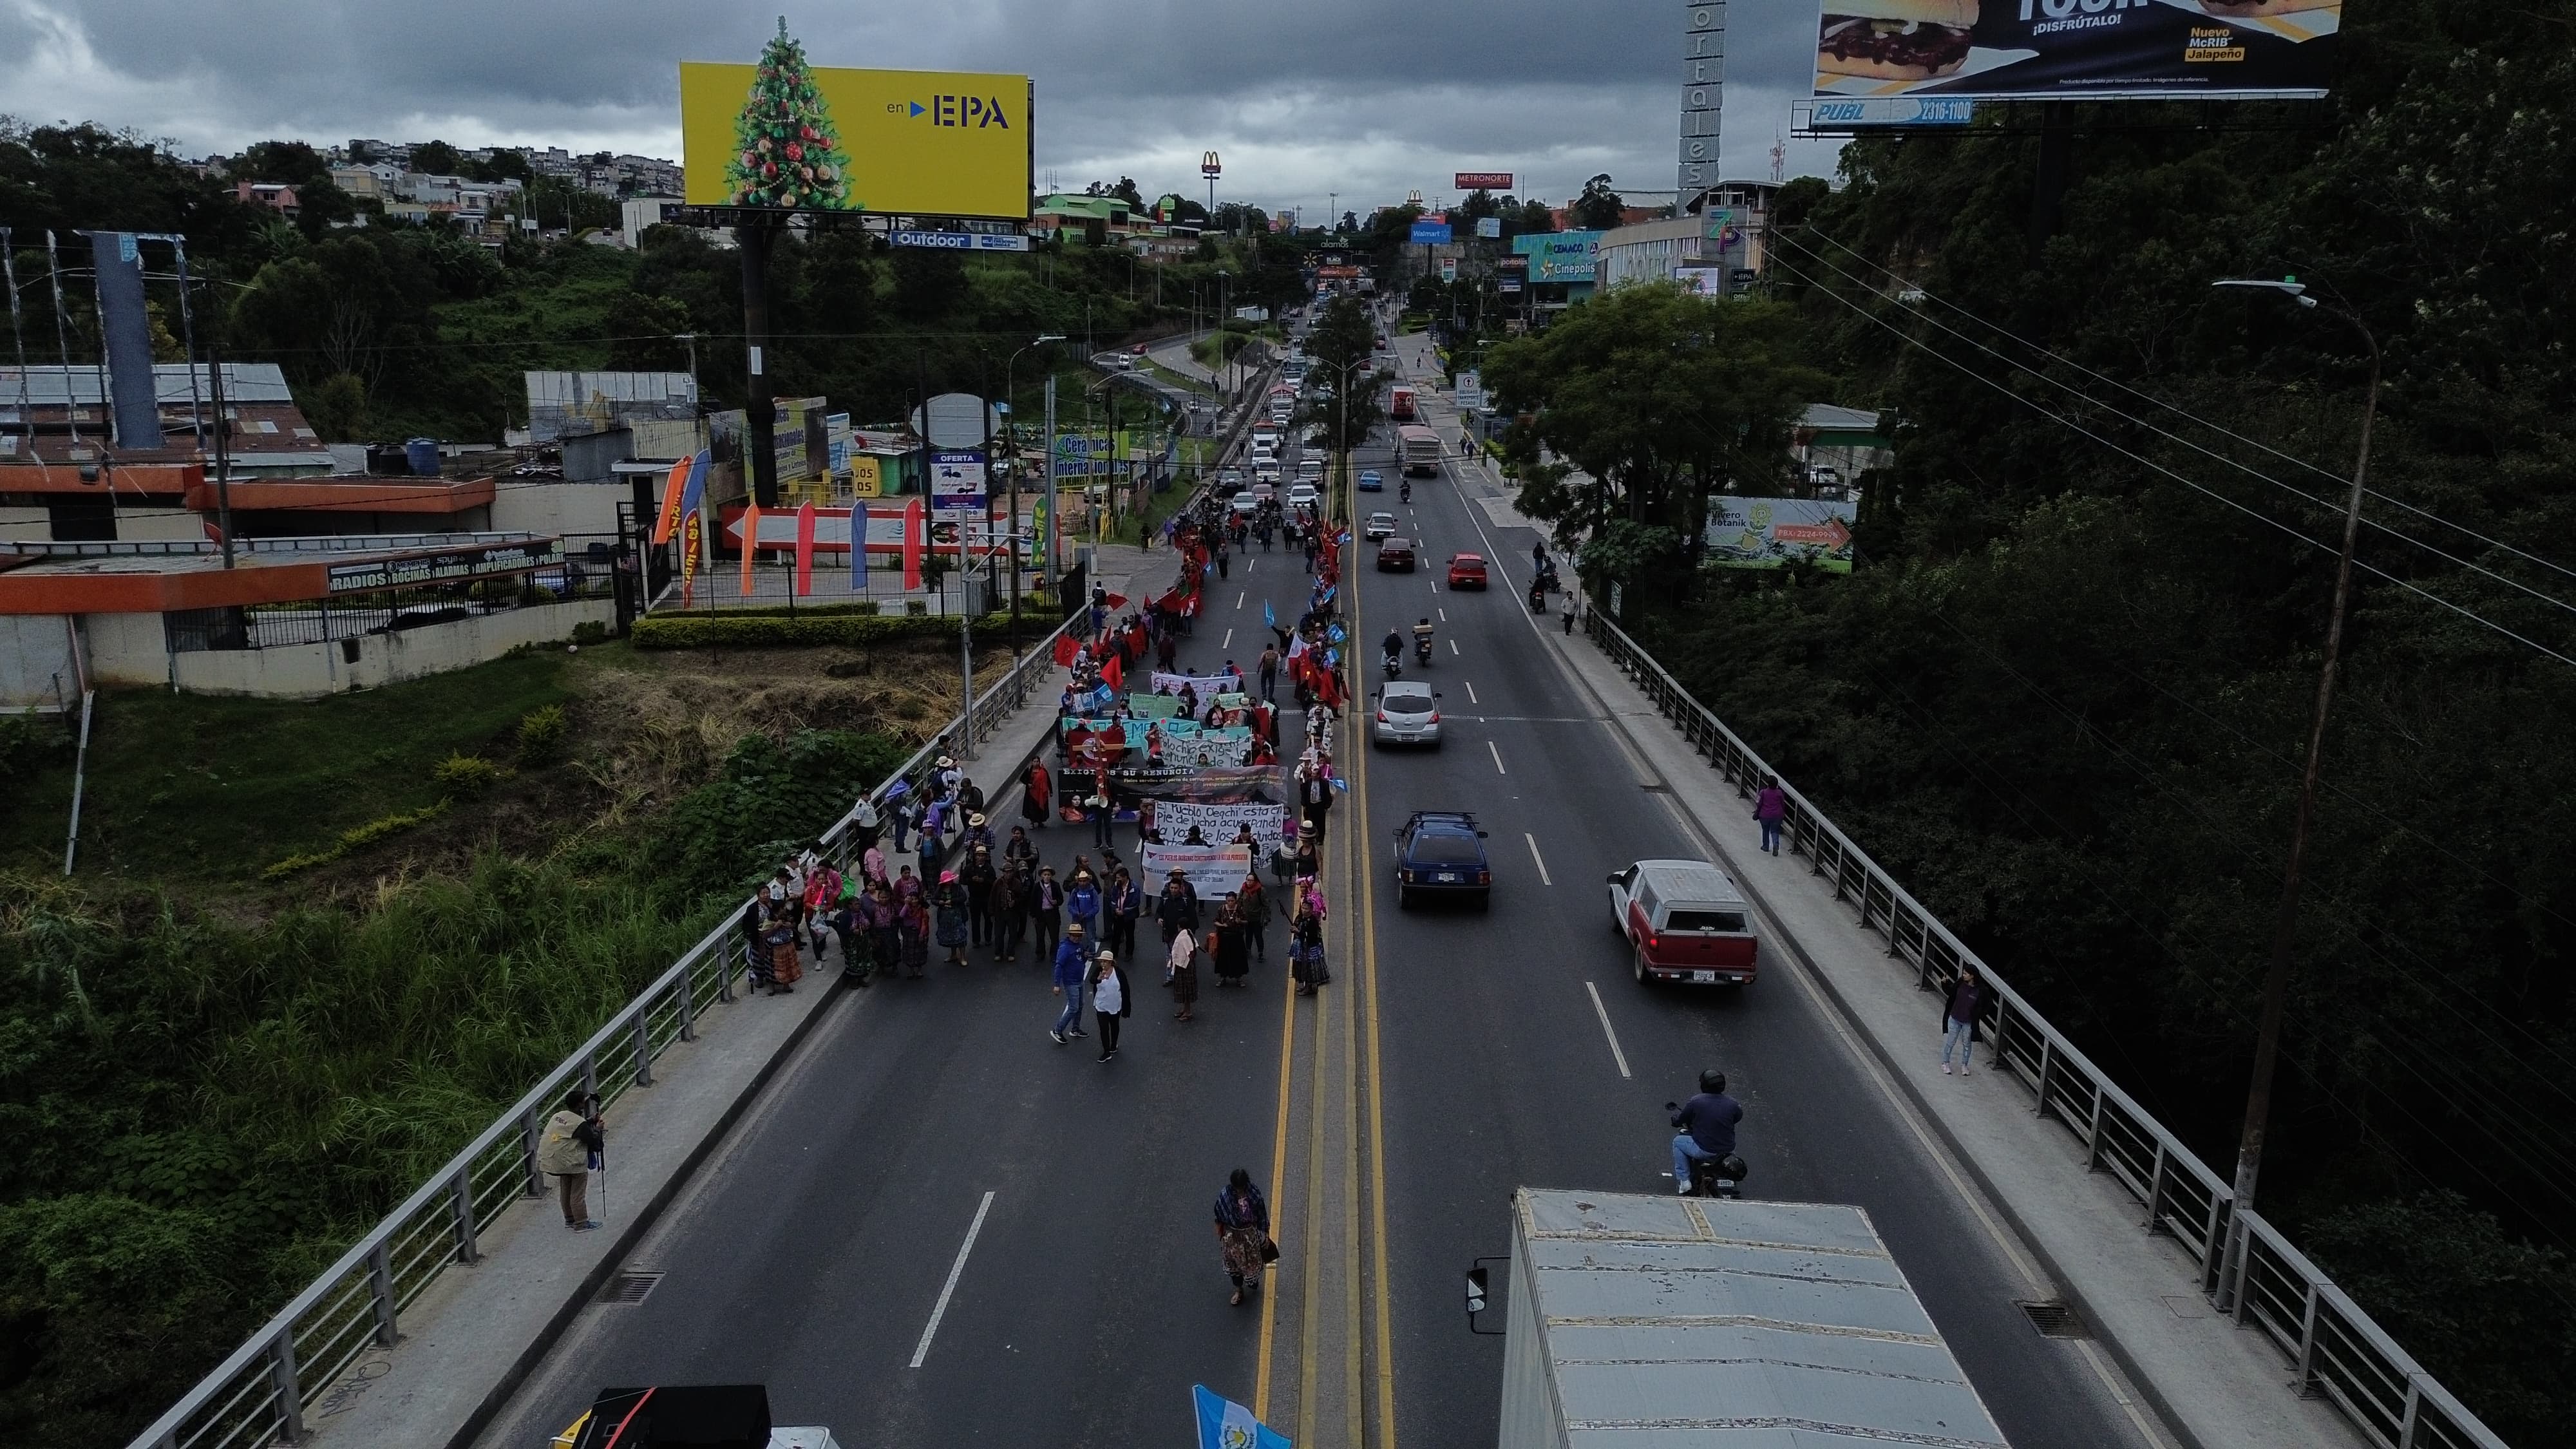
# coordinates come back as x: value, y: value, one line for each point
x: 1359, y: 97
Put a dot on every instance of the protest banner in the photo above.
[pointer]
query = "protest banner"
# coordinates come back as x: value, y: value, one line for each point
x: 1213, y: 869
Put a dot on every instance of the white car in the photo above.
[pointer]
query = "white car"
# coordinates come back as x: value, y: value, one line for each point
x: 1300, y: 495
x: 1379, y: 525
x: 1408, y: 713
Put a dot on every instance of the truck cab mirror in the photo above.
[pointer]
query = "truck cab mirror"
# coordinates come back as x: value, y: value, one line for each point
x: 1476, y: 1281
x: 1479, y: 1294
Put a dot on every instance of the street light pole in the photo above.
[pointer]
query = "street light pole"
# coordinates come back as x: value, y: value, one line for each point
x: 2285, y: 925
x: 1010, y: 372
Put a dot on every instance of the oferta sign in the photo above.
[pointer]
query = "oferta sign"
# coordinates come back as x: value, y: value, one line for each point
x: 444, y: 566
x: 783, y: 136
x: 2077, y: 49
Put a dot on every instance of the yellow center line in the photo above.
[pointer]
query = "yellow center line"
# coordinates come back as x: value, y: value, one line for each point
x: 1376, y: 1082
x: 1310, y: 1316
x: 1278, y: 1190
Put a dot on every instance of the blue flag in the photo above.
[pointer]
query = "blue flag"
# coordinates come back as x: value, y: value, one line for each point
x: 1269, y: 620
x: 858, y: 546
x: 1225, y: 1424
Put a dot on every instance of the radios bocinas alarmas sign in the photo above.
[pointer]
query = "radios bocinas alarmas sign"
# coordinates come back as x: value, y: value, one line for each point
x: 2077, y: 49
x: 782, y: 135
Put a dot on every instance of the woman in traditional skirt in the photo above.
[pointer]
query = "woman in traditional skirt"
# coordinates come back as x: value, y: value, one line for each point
x: 1242, y: 1233
x: 1230, y: 943
x: 948, y: 916
x: 914, y: 924
x: 1182, y: 970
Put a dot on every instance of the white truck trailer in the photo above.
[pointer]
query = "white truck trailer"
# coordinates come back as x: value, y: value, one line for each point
x: 1662, y: 1322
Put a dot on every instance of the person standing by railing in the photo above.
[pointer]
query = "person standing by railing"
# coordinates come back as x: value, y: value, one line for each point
x: 1959, y: 1013
x: 572, y: 1136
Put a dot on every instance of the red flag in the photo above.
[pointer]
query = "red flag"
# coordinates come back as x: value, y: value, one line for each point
x: 916, y: 523
x: 1117, y: 601
x: 1065, y: 651
x: 750, y: 537
x: 1113, y: 673
x: 669, y: 516
x: 805, y: 547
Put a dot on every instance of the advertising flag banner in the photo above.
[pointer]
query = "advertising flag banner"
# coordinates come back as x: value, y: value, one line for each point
x: 1770, y: 533
x: 915, y: 526
x: 1873, y: 50
x: 859, y: 555
x: 692, y: 540
x: 695, y: 494
x: 805, y: 548
x: 788, y: 135
x: 750, y: 533
x: 667, y: 520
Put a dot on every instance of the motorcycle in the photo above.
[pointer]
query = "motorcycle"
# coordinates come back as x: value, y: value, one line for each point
x: 1714, y: 1176
x: 1404, y: 493
x: 1393, y: 664
x: 1422, y: 651
x: 1538, y: 597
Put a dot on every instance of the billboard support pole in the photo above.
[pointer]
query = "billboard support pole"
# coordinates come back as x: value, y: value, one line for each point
x: 2048, y: 187
x: 759, y: 409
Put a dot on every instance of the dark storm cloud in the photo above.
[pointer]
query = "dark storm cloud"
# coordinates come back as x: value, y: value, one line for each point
x: 1358, y: 96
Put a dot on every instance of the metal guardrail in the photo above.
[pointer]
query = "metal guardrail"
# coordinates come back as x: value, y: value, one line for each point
x: 261, y: 1394
x: 2244, y: 1264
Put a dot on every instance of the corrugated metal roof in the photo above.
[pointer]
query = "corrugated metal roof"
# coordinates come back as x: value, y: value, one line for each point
x: 1675, y: 1321
x: 1839, y: 419
x: 58, y: 386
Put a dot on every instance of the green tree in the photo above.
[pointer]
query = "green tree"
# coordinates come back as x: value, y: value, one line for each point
x: 337, y: 408
x: 1646, y: 400
x: 436, y: 158
x: 1534, y: 220
x: 1598, y: 207
x: 787, y: 152
x: 928, y: 284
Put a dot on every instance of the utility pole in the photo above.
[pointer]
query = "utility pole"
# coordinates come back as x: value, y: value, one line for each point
x: 759, y: 409
x: 223, y: 453
x: 2285, y: 924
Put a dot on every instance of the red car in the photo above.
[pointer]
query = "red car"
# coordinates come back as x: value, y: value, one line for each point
x: 1467, y: 571
x: 1395, y: 555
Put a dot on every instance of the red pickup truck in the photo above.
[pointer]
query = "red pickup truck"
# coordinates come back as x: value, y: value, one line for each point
x: 1684, y: 921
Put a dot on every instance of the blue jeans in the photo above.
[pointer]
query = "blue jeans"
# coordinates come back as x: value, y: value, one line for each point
x: 1686, y: 1149
x: 1771, y: 836
x: 1958, y: 1036
x: 1070, y: 1019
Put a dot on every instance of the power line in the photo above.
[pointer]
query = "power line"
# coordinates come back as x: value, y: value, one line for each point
x: 2175, y: 408
x: 2139, y: 458
x: 2241, y: 467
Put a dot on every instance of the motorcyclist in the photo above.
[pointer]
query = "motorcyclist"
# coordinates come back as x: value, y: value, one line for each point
x: 1707, y: 1124
x: 1392, y: 647
x: 1404, y: 491
x: 1422, y: 637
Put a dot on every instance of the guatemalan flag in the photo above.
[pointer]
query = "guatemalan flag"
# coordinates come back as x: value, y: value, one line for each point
x: 1225, y: 1424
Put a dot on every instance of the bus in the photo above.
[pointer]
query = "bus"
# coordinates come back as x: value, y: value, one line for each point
x: 1419, y: 449
x: 1399, y: 404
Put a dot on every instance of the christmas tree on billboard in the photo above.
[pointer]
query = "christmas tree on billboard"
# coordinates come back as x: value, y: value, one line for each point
x: 786, y: 151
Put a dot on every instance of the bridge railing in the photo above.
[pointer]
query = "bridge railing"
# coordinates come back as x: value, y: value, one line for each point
x: 264, y: 1391
x: 2244, y: 1264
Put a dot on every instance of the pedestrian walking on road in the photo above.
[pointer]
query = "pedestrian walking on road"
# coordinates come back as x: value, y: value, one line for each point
x: 1126, y: 903
x: 1041, y: 794
x: 1010, y: 912
x: 1046, y: 913
x: 979, y: 877
x: 1072, y: 972
x: 1243, y: 1233
x: 1770, y: 807
x: 1177, y: 908
x: 1270, y: 675
x: 884, y: 920
x: 912, y: 925
x: 1110, y: 1003
x: 1230, y: 943
x: 1082, y: 901
x: 1959, y: 1013
x: 948, y: 912
x: 572, y: 1136
x: 1181, y: 971
x: 1256, y: 913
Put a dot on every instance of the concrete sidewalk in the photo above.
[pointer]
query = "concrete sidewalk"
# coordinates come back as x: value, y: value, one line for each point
x: 477, y: 1331
x: 2214, y: 1385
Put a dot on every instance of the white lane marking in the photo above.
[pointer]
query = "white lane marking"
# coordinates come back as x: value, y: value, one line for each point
x: 1602, y: 1012
x: 1498, y: 758
x: 939, y: 1310
x: 1539, y: 860
x: 1239, y: 595
x: 1250, y: 564
x: 1453, y: 646
x: 1471, y: 692
x: 1226, y: 643
x: 1444, y: 616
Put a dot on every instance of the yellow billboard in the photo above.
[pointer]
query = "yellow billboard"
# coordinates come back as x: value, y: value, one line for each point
x: 781, y: 134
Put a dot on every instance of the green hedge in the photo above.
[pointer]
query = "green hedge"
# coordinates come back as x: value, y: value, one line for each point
x: 734, y: 630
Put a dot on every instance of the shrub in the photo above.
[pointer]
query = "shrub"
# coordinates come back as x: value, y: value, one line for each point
x: 590, y: 631
x: 27, y: 744
x: 358, y: 839
x: 541, y: 733
x: 462, y: 774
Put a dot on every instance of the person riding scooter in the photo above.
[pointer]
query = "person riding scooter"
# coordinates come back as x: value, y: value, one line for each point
x: 1392, y: 650
x: 1707, y: 1124
x: 1422, y: 642
x: 1404, y: 491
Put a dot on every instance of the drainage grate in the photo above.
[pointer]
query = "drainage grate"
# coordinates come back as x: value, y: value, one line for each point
x: 2053, y: 1319
x: 628, y: 1287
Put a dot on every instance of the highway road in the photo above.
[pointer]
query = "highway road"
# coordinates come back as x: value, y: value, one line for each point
x: 938, y: 1227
